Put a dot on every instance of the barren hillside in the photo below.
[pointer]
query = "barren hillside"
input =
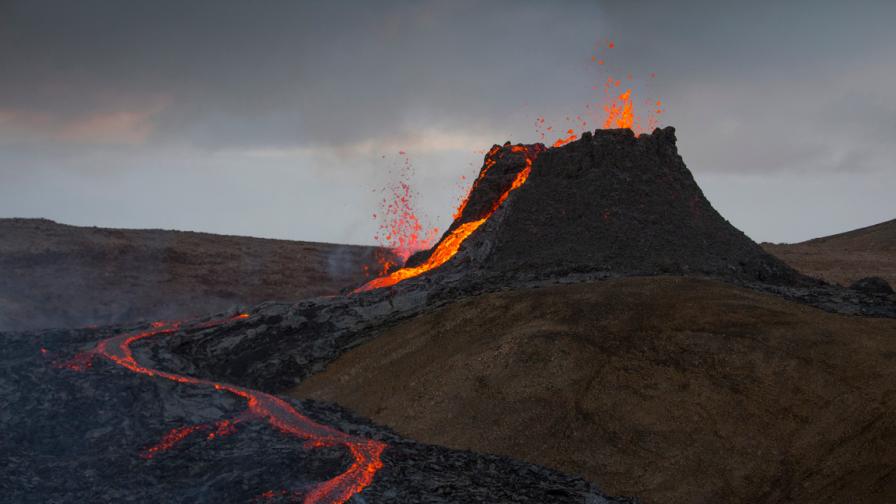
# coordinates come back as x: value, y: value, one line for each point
x: 675, y: 390
x: 54, y: 275
x: 846, y: 257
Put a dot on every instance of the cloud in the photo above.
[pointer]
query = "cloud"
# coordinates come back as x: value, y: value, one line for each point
x: 289, y: 74
x: 424, y: 142
x: 100, y: 90
x: 130, y: 126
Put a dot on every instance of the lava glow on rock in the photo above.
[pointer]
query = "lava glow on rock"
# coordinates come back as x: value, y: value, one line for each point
x: 618, y: 111
x: 450, y: 243
x: 273, y: 410
x: 402, y: 233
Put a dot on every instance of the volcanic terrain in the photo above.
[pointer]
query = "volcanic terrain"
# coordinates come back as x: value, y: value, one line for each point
x: 588, y: 311
x: 56, y: 275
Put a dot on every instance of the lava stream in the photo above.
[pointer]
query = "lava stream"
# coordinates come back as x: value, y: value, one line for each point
x: 277, y: 412
x: 450, y: 243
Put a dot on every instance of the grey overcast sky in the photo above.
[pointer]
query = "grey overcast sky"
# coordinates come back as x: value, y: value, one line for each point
x: 272, y: 118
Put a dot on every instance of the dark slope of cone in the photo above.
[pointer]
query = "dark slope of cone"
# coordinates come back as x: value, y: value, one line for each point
x: 613, y: 202
x: 500, y: 168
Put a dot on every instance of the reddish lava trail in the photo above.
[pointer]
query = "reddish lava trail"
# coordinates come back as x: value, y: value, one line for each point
x: 619, y: 113
x: 275, y: 411
x: 450, y: 244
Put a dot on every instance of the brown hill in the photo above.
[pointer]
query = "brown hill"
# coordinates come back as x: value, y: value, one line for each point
x: 676, y: 390
x: 846, y: 257
x: 54, y: 275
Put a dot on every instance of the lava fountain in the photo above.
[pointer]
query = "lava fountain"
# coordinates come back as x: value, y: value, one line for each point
x: 451, y: 242
x: 618, y: 112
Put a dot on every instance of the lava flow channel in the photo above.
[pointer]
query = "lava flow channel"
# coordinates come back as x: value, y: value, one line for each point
x: 451, y: 242
x: 277, y: 412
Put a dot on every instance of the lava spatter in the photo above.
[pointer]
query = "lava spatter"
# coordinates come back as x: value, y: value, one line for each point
x: 618, y: 111
x: 401, y: 229
x: 271, y: 409
x: 458, y: 233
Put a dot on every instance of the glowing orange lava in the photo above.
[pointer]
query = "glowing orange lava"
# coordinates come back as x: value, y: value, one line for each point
x: 219, y: 429
x: 400, y: 229
x: 450, y: 244
x: 563, y: 141
x: 275, y: 411
x: 620, y: 113
x: 174, y: 436
x: 617, y: 111
x: 617, y: 107
x: 443, y: 252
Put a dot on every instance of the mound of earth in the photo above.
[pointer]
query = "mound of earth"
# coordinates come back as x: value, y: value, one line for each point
x: 607, y: 205
x: 672, y: 389
x: 846, y: 257
x: 608, y: 201
x: 56, y: 275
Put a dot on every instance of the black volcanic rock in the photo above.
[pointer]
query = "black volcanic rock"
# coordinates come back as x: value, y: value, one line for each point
x: 500, y: 168
x: 607, y: 205
x: 614, y: 202
x: 872, y: 285
x: 75, y: 437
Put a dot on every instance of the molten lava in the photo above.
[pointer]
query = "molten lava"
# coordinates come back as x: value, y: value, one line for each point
x: 490, y: 161
x: 450, y: 243
x: 400, y: 229
x: 563, y: 141
x: 275, y: 411
x: 174, y: 436
x: 443, y: 252
x: 618, y: 112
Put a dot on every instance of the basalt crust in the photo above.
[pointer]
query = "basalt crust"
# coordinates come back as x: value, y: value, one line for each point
x: 611, y: 202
